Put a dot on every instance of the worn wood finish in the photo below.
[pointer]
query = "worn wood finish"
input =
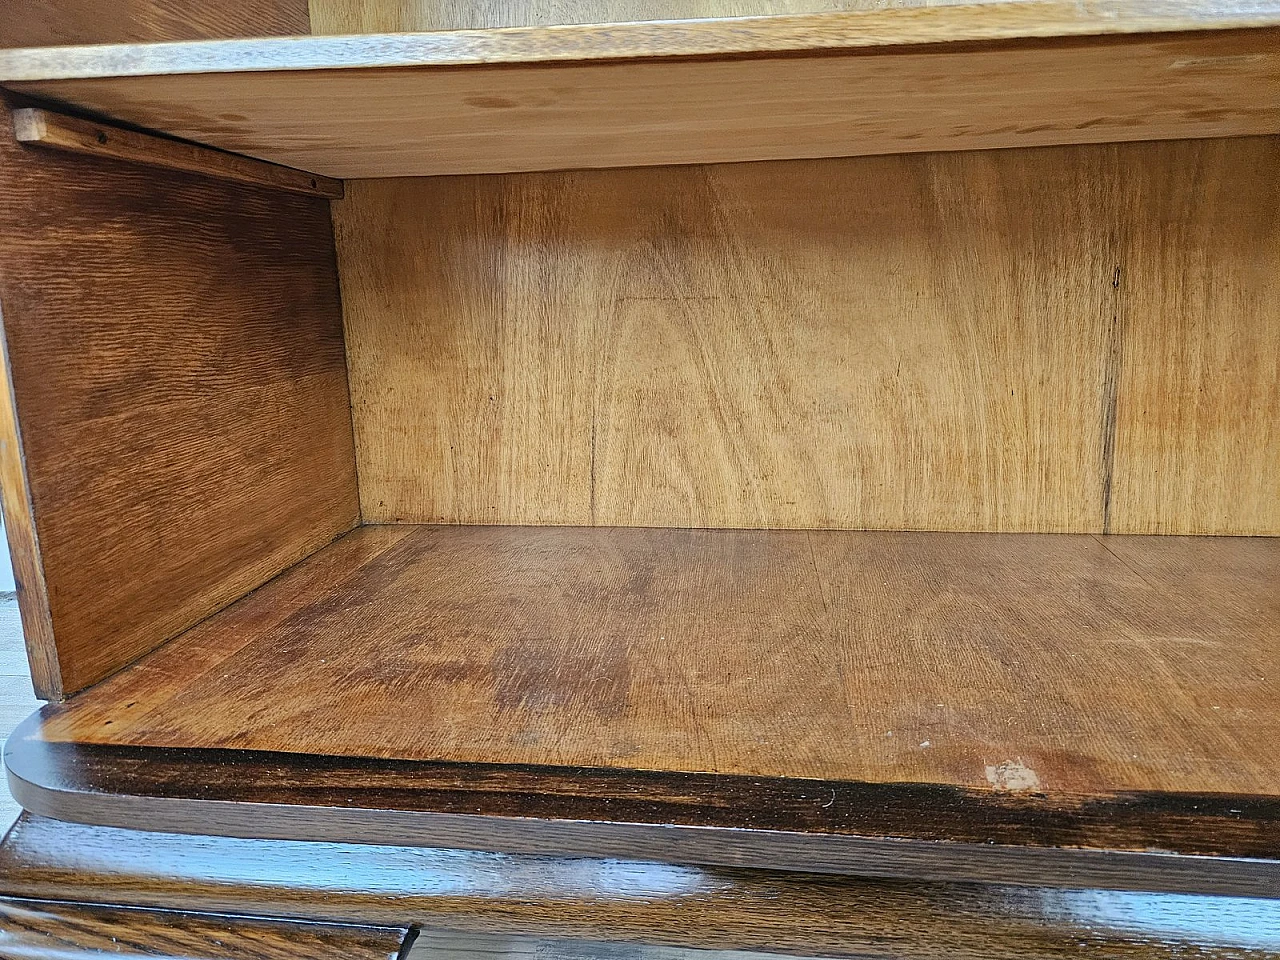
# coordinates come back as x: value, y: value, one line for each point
x: 35, y: 928
x: 177, y: 369
x: 455, y: 893
x: 58, y: 131
x: 39, y: 23
x: 378, y: 16
x: 842, y: 667
x: 868, y: 82
x: 977, y: 341
x: 1199, y: 843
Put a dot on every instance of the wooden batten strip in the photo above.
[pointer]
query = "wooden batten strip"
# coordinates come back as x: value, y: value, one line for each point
x: 56, y: 131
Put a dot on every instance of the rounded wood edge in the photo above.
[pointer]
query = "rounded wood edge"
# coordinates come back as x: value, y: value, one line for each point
x: 812, y: 33
x: 66, y: 787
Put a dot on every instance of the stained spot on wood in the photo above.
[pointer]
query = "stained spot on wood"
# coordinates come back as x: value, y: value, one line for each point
x: 1013, y: 776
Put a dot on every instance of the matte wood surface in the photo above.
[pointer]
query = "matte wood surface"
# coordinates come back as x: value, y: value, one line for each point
x: 925, y: 686
x: 34, y: 928
x: 840, y: 84
x: 379, y: 16
x: 469, y: 901
x: 58, y: 131
x: 1078, y: 339
x: 177, y: 368
x: 37, y: 23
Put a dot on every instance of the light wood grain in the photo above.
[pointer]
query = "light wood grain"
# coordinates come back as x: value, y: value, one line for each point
x: 1197, y: 444
x: 57, y: 131
x: 37, y: 23
x: 970, y: 660
x: 900, y: 343
x: 177, y: 369
x: 841, y: 84
x: 380, y: 16
x: 61, y: 931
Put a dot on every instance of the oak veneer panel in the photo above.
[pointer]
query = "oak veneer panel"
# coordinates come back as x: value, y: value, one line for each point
x: 177, y: 370
x: 932, y: 342
x: 963, y: 659
x: 39, y: 23
x: 476, y: 897
x: 34, y: 928
x: 868, y: 82
x: 1197, y: 439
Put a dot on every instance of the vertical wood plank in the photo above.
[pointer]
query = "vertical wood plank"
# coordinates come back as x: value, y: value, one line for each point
x: 1197, y: 444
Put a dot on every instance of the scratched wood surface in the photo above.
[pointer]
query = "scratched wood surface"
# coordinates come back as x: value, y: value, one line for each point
x: 960, y: 659
x: 1075, y: 339
x: 916, y: 79
x: 180, y: 426
x: 478, y: 903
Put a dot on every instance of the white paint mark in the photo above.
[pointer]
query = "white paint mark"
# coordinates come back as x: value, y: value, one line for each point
x: 1012, y: 775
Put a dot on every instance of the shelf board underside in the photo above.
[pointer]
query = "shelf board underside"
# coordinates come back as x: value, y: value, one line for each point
x: 608, y: 95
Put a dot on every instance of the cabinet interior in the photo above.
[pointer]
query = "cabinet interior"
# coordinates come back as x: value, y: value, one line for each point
x: 937, y: 465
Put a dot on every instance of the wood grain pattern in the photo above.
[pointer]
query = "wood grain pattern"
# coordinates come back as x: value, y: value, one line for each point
x: 966, y: 664
x: 776, y: 653
x: 58, y: 131
x: 33, y: 928
x: 177, y: 368
x: 39, y: 23
x: 949, y: 342
x: 1213, y: 843
x: 868, y: 82
x: 1197, y: 416
x: 624, y: 901
x: 379, y: 16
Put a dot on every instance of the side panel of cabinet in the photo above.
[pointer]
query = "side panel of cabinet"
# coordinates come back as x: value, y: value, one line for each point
x: 178, y: 427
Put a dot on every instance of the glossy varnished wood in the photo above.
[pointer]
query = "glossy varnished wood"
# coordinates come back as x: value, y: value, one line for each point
x: 58, y: 131
x: 180, y: 423
x: 51, y: 929
x: 473, y: 901
x: 39, y: 23
x: 838, y: 84
x: 966, y: 341
x: 919, y: 686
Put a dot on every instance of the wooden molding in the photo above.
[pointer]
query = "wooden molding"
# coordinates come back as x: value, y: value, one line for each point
x: 58, y: 131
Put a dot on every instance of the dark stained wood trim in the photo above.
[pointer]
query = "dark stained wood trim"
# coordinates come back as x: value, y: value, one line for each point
x: 34, y: 928
x: 38, y: 127
x: 1147, y: 841
x: 465, y: 899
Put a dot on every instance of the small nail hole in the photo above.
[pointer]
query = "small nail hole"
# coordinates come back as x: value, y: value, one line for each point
x: 102, y: 137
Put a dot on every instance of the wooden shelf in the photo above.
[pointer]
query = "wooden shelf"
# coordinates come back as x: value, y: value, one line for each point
x: 1035, y: 708
x: 837, y: 84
